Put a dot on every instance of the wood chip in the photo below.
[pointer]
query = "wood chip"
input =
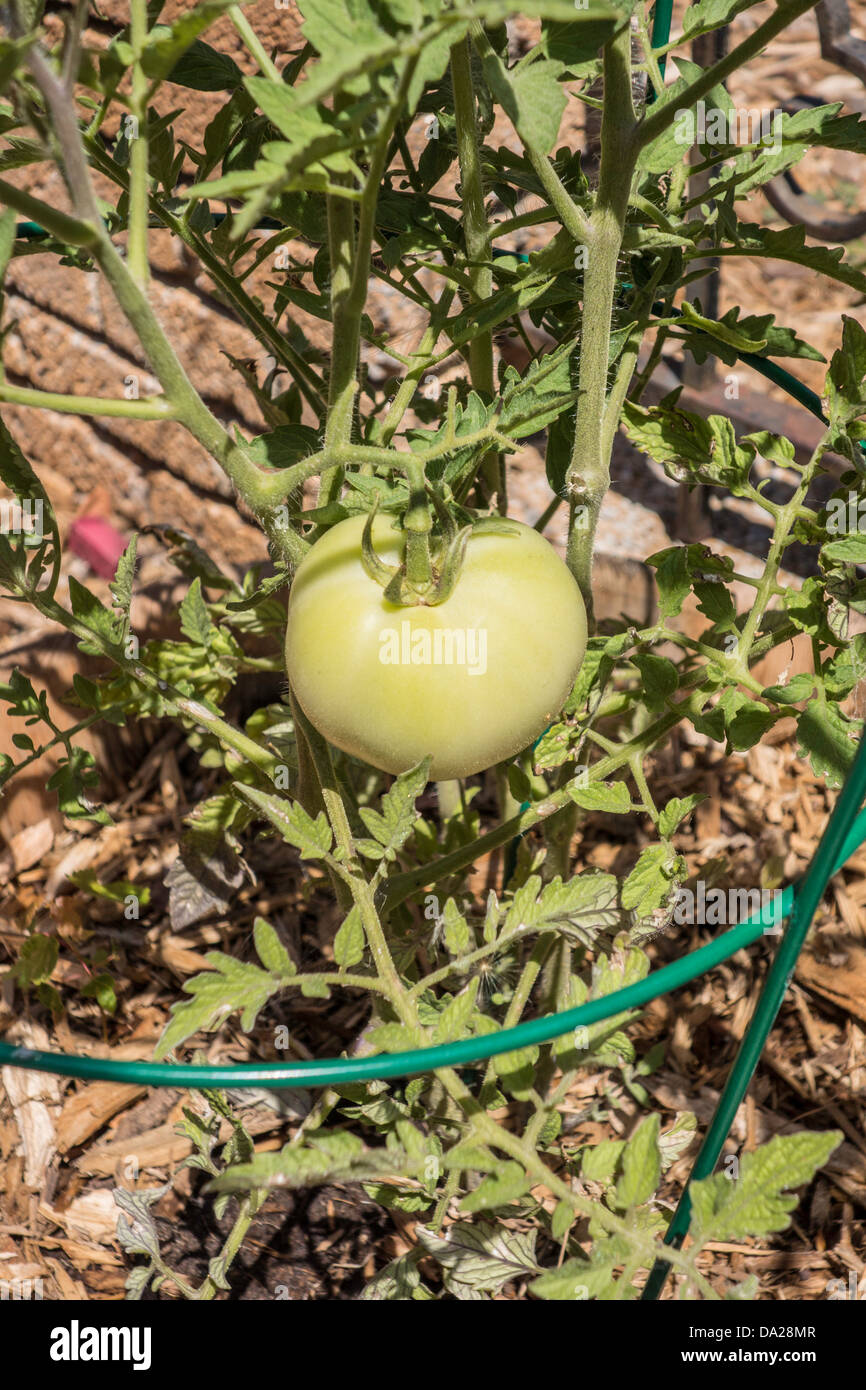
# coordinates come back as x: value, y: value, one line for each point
x: 844, y: 985
x: 34, y: 1097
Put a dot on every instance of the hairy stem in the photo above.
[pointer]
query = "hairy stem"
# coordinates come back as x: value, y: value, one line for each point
x: 138, y: 150
x: 476, y: 236
x: 588, y: 476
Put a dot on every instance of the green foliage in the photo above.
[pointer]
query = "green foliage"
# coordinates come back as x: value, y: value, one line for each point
x: 230, y: 985
x: 760, y: 1200
x: 306, y: 192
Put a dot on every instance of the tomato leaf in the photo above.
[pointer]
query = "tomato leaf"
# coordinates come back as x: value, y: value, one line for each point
x: 760, y: 1200
x: 313, y: 838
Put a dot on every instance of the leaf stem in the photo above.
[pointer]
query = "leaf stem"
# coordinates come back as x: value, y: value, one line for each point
x: 253, y: 43
x: 148, y: 408
x: 662, y: 114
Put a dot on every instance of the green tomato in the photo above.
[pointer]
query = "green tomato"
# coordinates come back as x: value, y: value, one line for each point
x: 472, y: 680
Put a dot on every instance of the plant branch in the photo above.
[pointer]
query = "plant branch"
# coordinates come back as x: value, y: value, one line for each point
x: 476, y: 237
x: 72, y: 231
x: 137, y: 259
x: 661, y: 115
x: 253, y: 43
x: 190, y: 409
x: 588, y: 476
x: 152, y: 408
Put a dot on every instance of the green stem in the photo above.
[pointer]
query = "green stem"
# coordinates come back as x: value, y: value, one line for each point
x: 253, y: 42
x: 588, y: 477
x: 309, y: 384
x: 785, y: 518
x: 345, y: 342
x: 417, y: 523
x: 385, y: 430
x: 476, y: 236
x: 250, y: 1204
x: 136, y: 255
x: 350, y: 254
x: 660, y: 116
x: 72, y: 231
x: 190, y: 409
x: 153, y: 408
x: 520, y: 997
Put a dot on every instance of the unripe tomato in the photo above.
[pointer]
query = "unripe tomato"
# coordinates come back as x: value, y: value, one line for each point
x: 472, y: 680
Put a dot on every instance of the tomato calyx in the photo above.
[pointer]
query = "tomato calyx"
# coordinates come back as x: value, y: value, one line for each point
x: 431, y: 564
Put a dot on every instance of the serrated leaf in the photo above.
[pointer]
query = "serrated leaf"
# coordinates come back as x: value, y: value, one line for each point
x: 845, y: 390
x: 455, y: 929
x: 541, y: 395
x: 167, y: 44
x: 121, y: 585
x: 195, y: 620
x: 93, y: 613
x: 601, y: 796
x: 70, y: 781
x: 599, y: 1162
x: 531, y: 97
x: 228, y: 986
x: 36, y: 960
x: 789, y: 244
x: 481, y: 1255
x: 498, y: 1189
x: 675, y: 1141
x: 652, y: 880
x: 554, y: 747
x: 204, y: 69
x: 392, y: 826
x: 395, y: 1283
x: 338, y: 1158
x: 454, y: 1019
x: 734, y: 337
x: 678, y: 567
x: 824, y: 737
x: 689, y: 447
x: 312, y: 838
x: 138, y: 1233
x: 760, y: 1200
x: 586, y: 904
x: 676, y: 811
x: 641, y: 1165
x: 350, y: 941
x: 577, y: 1280
x: 270, y: 949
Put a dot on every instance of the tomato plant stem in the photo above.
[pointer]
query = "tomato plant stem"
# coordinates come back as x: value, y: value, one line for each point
x: 476, y: 236
x: 588, y: 476
x: 136, y: 252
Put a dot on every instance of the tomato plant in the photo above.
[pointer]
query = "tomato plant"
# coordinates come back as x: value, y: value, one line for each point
x: 427, y: 152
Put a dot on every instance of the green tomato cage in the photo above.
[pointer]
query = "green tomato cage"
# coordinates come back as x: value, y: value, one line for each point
x: 844, y: 833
